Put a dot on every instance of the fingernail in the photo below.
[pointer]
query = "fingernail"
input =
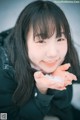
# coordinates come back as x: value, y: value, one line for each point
x: 65, y: 88
x: 69, y: 64
x: 75, y: 79
x: 70, y: 83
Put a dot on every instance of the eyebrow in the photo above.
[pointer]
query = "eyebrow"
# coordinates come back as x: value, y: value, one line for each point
x: 43, y: 34
x: 61, y: 33
x: 39, y: 34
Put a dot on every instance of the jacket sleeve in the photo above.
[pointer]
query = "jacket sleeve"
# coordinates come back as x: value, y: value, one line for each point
x: 29, y: 110
x: 37, y: 107
x: 55, y: 103
x: 7, y: 87
x: 61, y: 104
x: 3, y: 35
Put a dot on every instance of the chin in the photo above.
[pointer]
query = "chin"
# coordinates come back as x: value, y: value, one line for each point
x: 47, y: 71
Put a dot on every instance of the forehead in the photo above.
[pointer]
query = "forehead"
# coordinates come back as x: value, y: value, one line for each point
x: 43, y: 35
x: 47, y: 26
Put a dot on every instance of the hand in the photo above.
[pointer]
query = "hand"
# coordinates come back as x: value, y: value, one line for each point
x: 43, y: 82
x: 65, y: 75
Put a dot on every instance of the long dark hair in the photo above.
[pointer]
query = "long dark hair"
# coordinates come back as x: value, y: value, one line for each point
x: 45, y: 17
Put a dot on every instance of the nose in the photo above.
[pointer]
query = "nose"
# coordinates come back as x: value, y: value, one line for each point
x: 52, y: 51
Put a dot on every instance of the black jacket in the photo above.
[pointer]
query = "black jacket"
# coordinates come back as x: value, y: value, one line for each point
x: 55, y: 103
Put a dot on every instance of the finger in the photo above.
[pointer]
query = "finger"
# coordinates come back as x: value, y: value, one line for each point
x: 38, y: 74
x: 70, y: 76
x: 66, y: 83
x: 73, y: 77
x: 58, y: 87
x: 62, y: 88
x: 57, y: 84
x: 64, y: 67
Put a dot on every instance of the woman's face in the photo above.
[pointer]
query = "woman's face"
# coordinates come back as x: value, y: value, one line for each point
x: 46, y: 55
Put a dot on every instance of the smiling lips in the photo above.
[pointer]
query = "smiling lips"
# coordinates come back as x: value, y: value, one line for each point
x: 49, y: 64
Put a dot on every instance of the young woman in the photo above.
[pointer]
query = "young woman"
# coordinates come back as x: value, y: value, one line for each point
x: 38, y: 64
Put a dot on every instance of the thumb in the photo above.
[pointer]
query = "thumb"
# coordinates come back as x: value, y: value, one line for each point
x: 38, y: 74
x: 64, y: 67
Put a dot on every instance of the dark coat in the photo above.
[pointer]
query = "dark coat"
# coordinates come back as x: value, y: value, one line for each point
x: 56, y: 103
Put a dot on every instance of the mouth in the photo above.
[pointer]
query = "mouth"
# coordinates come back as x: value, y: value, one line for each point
x: 50, y: 64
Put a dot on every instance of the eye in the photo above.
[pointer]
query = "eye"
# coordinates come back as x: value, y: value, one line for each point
x: 60, y: 39
x: 41, y: 41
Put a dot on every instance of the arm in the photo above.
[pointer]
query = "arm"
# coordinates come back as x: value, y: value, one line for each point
x: 61, y: 104
x: 59, y: 91
x: 38, y: 105
x: 29, y: 110
x: 7, y: 87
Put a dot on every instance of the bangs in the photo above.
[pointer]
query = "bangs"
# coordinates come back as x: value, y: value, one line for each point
x: 45, y: 23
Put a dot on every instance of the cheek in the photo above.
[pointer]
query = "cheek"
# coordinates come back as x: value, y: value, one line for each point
x: 63, y: 50
x: 35, y: 54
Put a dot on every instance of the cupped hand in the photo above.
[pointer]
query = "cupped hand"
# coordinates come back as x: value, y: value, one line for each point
x: 58, y: 80
x: 62, y: 72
